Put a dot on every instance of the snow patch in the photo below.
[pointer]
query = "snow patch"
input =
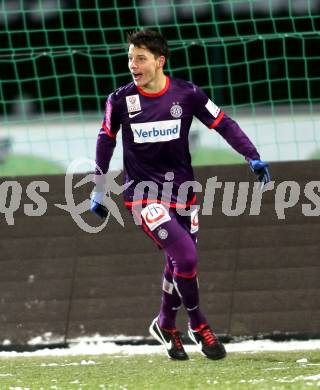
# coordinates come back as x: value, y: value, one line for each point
x: 303, y: 360
x: 298, y: 378
x: 98, y: 346
x: 19, y: 388
x: 82, y: 363
x: 31, y: 278
x: 313, y: 377
x: 45, y: 339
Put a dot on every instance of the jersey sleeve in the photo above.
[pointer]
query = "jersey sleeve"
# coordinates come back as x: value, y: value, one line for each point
x: 111, y: 121
x: 214, y: 118
x: 205, y: 109
x: 106, y: 141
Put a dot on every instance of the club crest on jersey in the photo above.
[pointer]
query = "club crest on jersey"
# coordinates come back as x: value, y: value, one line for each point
x: 176, y: 110
x: 133, y: 103
x: 154, y: 215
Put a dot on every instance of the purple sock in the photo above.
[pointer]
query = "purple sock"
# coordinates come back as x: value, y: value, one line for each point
x: 171, y: 302
x: 183, y: 256
x: 189, y: 291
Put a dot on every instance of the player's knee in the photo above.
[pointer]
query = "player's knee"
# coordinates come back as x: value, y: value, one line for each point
x: 185, y: 257
x: 186, y: 266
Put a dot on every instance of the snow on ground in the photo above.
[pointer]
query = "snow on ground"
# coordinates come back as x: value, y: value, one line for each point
x: 97, y: 347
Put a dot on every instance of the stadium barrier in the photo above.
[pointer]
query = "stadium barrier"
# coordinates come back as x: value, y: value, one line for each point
x: 259, y: 275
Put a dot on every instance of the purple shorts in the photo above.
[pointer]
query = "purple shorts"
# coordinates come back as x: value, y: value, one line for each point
x: 165, y: 225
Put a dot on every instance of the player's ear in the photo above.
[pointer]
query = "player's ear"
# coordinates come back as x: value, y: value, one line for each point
x: 161, y: 61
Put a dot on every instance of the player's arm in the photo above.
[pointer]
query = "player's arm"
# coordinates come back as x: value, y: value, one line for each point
x: 106, y: 143
x: 214, y: 118
x: 236, y: 137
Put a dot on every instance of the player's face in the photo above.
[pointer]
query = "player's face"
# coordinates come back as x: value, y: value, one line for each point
x: 144, y: 67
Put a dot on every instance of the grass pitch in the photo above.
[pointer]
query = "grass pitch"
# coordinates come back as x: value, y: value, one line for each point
x: 22, y: 165
x: 263, y: 371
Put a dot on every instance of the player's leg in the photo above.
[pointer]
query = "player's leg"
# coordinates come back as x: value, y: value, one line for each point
x: 171, y: 301
x: 185, y: 278
x: 183, y: 255
x: 170, y: 234
x: 152, y: 220
x: 180, y: 276
x: 163, y: 327
x: 199, y: 330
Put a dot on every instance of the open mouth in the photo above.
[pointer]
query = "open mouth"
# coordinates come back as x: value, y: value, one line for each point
x: 136, y: 76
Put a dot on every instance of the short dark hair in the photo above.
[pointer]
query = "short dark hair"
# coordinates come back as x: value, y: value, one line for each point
x: 152, y: 40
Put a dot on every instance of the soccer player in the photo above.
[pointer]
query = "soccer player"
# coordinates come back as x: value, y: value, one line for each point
x: 155, y: 112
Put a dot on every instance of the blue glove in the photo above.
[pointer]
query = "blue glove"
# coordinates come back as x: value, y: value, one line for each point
x: 96, y: 205
x: 260, y: 168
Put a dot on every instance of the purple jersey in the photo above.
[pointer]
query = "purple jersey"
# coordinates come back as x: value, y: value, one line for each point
x: 155, y: 130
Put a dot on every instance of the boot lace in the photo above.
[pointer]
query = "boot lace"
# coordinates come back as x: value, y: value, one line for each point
x: 208, y: 335
x: 177, y: 339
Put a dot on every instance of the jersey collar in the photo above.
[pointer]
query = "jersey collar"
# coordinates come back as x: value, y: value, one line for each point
x: 160, y: 93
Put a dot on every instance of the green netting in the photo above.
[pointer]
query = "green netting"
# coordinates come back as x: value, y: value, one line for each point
x: 59, y: 59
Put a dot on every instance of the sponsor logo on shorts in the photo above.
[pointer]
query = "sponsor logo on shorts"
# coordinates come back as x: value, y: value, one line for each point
x: 160, y: 131
x: 163, y: 234
x: 154, y: 215
x: 167, y: 286
x: 194, y: 221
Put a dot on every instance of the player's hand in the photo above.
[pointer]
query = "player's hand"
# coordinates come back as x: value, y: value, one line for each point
x: 96, y: 205
x: 260, y: 168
